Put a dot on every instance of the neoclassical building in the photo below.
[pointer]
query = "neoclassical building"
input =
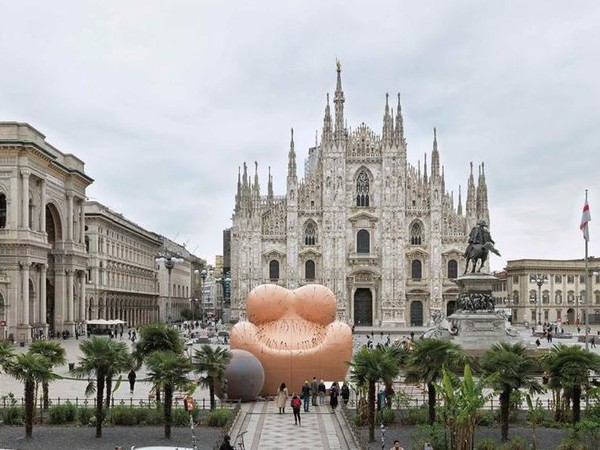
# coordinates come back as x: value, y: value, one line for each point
x: 122, y: 278
x: 385, y: 236
x: 42, y: 235
x: 562, y: 290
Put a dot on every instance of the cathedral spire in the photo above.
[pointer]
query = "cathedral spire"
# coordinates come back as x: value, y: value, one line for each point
x: 256, y: 186
x: 482, y: 200
x: 471, y: 204
x: 459, y: 211
x: 399, y: 128
x: 245, y: 178
x: 270, y: 186
x: 327, y: 135
x: 292, y: 157
x: 387, y: 123
x: 425, y: 167
x: 435, y: 156
x: 338, y: 101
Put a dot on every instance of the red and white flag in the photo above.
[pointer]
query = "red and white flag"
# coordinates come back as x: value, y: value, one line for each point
x: 585, y: 219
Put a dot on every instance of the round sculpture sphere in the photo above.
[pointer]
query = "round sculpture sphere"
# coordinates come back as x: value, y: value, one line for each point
x: 245, y: 377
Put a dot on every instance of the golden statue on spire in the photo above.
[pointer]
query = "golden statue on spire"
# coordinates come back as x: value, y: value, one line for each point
x: 338, y: 64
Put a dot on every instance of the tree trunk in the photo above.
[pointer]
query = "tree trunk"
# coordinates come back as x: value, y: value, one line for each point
x: 108, y: 390
x: 167, y: 410
x: 100, y: 380
x: 29, y: 395
x: 371, y: 401
x: 504, y: 413
x: 46, y: 400
x: 576, y: 403
x: 211, y: 396
x: 431, y: 401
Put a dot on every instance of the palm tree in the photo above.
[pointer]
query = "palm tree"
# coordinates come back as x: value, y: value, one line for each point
x: 509, y: 369
x: 569, y: 367
x: 30, y: 368
x: 368, y: 367
x: 101, y: 357
x: 6, y: 354
x: 56, y: 356
x: 211, y: 364
x: 425, y: 363
x: 168, y: 371
x: 156, y: 337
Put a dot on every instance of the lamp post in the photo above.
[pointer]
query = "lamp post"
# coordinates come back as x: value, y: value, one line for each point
x: 203, y: 273
x: 225, y: 281
x: 539, y: 279
x: 169, y: 260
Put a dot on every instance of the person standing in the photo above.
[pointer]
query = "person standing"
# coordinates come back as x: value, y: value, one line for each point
x: 306, y: 395
x: 397, y: 446
x: 314, y: 390
x: 282, y: 396
x: 131, y: 377
x: 345, y: 393
x: 333, y: 396
x: 295, y: 404
x: 226, y: 445
x: 322, y: 391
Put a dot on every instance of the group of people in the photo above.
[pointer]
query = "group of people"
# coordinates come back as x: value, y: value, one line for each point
x: 315, y: 391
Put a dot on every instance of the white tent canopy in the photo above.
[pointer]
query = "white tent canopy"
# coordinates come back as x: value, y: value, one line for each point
x: 105, y: 322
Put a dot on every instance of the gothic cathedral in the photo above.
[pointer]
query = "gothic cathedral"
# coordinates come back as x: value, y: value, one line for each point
x: 384, y: 236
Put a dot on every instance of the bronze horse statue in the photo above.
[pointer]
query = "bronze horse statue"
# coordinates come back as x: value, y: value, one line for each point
x: 478, y: 252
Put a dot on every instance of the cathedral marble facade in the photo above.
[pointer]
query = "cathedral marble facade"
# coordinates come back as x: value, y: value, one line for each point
x: 385, y: 236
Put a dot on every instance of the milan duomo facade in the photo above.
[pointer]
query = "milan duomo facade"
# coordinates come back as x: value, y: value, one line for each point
x: 384, y: 236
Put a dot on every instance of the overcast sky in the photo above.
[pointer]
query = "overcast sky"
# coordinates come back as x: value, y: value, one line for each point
x: 163, y: 100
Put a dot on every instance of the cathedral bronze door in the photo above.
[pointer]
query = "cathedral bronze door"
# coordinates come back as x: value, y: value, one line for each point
x: 416, y: 314
x: 363, y: 308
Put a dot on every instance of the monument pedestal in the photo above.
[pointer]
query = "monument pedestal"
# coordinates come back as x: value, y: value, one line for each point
x: 476, y: 325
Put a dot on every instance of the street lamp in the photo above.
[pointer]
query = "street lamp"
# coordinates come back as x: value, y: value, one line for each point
x: 203, y: 273
x: 169, y: 259
x: 225, y: 281
x: 539, y: 279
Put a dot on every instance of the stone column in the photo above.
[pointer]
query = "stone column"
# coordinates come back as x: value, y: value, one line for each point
x: 70, y: 295
x: 82, y: 296
x: 25, y: 293
x: 43, y: 210
x: 13, y: 215
x: 42, y: 290
x: 69, y: 216
x: 35, y: 309
x: 25, y: 199
x: 81, y: 222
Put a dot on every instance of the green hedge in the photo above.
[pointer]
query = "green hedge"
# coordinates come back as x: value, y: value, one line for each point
x: 13, y: 415
x: 61, y: 414
x: 219, y: 417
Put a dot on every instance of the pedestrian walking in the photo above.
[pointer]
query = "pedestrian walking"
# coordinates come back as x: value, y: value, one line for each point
x: 295, y: 404
x: 333, y: 396
x: 593, y: 341
x: 322, y: 391
x: 345, y: 392
x: 226, y: 445
x: 282, y: 396
x: 131, y: 377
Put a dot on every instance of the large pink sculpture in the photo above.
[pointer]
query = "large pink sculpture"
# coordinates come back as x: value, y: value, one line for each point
x: 294, y: 335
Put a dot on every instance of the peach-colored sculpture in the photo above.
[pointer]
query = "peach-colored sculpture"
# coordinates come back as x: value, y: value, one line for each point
x: 294, y: 335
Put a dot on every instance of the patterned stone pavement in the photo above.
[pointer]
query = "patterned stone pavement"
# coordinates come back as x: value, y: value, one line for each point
x: 266, y: 429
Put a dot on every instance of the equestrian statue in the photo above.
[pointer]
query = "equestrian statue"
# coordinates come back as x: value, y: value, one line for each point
x: 480, y: 244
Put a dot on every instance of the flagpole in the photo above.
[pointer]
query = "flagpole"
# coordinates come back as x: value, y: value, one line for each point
x: 587, y: 283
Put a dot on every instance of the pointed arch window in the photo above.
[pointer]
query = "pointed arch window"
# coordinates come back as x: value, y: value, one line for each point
x: 416, y: 270
x: 309, y: 270
x: 274, y: 270
x: 310, y: 234
x: 362, y: 189
x: 416, y: 234
x: 2, y: 210
x: 452, y: 269
x: 363, y: 242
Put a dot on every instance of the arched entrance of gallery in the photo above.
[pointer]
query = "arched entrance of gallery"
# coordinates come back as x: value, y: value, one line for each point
x: 416, y: 313
x: 54, y: 231
x: 363, y: 307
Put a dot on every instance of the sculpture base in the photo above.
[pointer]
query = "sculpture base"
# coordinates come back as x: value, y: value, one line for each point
x: 478, y: 329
